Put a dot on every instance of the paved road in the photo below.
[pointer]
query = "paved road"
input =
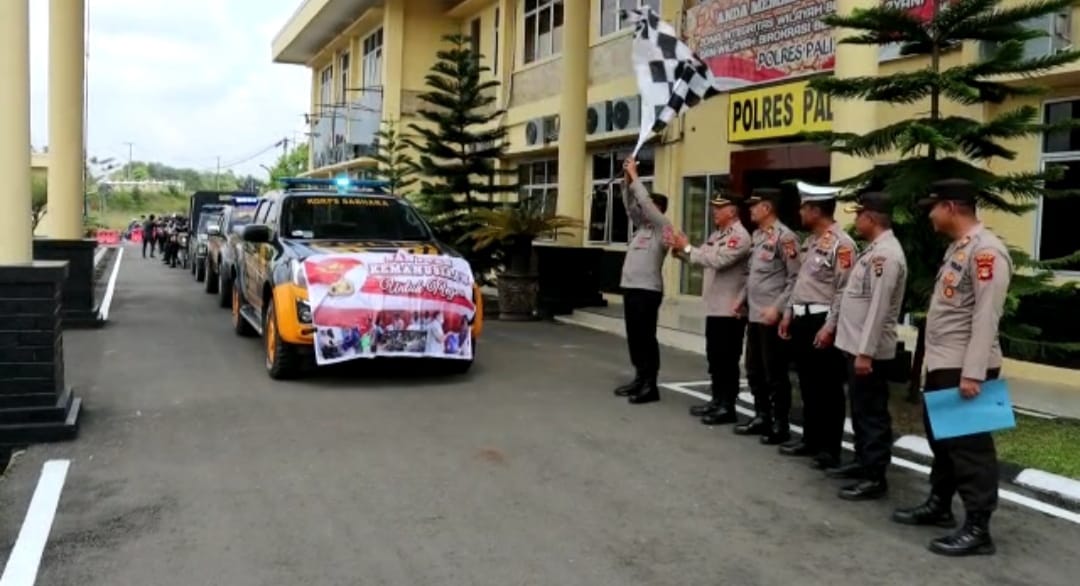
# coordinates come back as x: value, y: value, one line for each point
x: 194, y: 468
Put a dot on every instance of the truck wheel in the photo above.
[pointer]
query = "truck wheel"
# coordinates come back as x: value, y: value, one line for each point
x: 240, y: 325
x: 211, y: 281
x: 283, y: 360
x: 200, y: 270
x: 225, y: 288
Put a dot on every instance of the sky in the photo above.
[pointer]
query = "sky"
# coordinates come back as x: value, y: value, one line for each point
x: 186, y: 82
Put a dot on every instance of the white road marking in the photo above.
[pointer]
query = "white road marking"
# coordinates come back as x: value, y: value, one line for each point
x: 100, y: 252
x: 106, y: 301
x: 1031, y: 413
x: 1004, y: 494
x: 22, y: 565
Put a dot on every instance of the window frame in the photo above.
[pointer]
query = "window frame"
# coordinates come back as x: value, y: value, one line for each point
x: 712, y: 182
x: 614, y: 192
x: 371, y: 58
x: 541, y: 6
x: 620, y: 25
x: 547, y: 187
x: 326, y: 87
x: 495, y: 39
x: 1045, y: 158
x: 344, y: 63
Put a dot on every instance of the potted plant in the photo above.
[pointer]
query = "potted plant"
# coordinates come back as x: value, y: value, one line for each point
x: 513, y: 228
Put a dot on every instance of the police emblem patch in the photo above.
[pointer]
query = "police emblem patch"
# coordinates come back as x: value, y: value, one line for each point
x: 844, y: 257
x: 791, y: 249
x: 984, y: 266
x: 948, y: 292
x: 879, y: 265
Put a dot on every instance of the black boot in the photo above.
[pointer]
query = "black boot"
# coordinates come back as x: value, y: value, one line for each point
x: 935, y: 511
x: 851, y: 470
x: 865, y: 490
x: 825, y: 461
x: 705, y: 408
x: 649, y: 393
x: 756, y: 426
x: 777, y: 434
x: 723, y: 415
x: 630, y: 388
x: 971, y: 539
x: 797, y: 448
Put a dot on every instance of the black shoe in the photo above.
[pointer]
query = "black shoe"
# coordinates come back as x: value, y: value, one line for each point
x: 824, y: 462
x: 850, y: 471
x: 796, y: 448
x: 777, y: 434
x: 935, y: 511
x: 971, y: 539
x: 629, y: 388
x: 721, y: 416
x: 756, y: 426
x: 704, y: 409
x: 650, y: 393
x: 864, y: 490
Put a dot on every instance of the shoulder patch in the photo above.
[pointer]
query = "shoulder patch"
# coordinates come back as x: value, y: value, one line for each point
x: 878, y: 263
x: 984, y: 265
x: 845, y: 256
x: 791, y: 248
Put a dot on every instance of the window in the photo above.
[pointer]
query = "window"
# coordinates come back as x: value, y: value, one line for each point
x: 326, y: 87
x: 343, y: 67
x: 697, y: 222
x: 608, y: 222
x: 539, y: 182
x: 611, y: 16
x: 1056, y: 236
x: 543, y: 28
x: 495, y: 51
x: 474, y: 38
x: 373, y: 48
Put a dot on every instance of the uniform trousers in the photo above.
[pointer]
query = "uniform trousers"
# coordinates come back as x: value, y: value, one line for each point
x: 641, y: 309
x: 870, y: 418
x: 821, y: 384
x: 967, y: 464
x: 767, y: 364
x: 723, y: 348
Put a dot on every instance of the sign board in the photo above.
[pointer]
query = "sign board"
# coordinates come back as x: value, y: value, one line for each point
x: 777, y: 111
x: 367, y: 305
x: 749, y: 42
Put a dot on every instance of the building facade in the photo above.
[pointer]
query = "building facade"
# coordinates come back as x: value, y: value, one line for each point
x: 573, y: 110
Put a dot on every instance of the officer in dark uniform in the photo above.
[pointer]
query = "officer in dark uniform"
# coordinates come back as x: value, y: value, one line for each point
x: 962, y: 350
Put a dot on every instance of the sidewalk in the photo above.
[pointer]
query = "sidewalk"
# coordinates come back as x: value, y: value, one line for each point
x: 682, y: 326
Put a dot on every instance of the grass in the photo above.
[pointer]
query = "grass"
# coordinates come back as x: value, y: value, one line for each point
x: 122, y: 207
x: 1052, y: 445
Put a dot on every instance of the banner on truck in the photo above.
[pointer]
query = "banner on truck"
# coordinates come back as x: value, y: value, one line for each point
x: 368, y: 305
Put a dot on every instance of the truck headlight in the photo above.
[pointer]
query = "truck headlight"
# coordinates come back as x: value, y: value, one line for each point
x: 303, y: 311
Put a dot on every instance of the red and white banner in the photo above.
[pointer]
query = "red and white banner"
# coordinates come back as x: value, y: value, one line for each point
x: 366, y: 305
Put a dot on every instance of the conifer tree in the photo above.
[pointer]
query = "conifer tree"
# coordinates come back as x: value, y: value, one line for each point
x: 934, y: 145
x: 396, y: 165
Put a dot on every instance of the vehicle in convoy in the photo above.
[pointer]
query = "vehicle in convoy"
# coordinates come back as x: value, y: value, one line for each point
x: 269, y: 292
x: 224, y: 245
x: 197, y: 205
x: 211, y: 215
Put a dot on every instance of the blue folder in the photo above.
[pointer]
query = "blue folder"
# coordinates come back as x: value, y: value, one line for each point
x: 951, y: 415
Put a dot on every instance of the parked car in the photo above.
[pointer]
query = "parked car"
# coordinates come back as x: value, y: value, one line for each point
x: 223, y: 246
x: 269, y: 293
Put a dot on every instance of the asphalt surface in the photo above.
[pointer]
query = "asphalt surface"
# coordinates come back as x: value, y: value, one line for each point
x: 193, y: 468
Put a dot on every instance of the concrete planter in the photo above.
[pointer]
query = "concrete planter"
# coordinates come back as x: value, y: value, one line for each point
x: 517, y: 296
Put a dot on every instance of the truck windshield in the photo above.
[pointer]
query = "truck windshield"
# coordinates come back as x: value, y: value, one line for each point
x: 351, y: 217
x: 241, y: 217
x: 206, y: 219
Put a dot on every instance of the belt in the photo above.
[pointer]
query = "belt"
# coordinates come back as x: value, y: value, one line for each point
x: 804, y: 309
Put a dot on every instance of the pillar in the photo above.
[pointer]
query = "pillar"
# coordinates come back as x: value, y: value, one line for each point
x: 67, y: 75
x: 15, y: 231
x: 859, y: 116
x: 573, y: 106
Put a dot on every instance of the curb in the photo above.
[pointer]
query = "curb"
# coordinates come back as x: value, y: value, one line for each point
x: 1051, y: 488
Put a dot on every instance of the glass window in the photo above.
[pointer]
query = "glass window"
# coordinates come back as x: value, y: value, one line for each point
x: 697, y: 222
x: 543, y: 28
x: 372, y: 59
x: 326, y: 88
x: 608, y: 222
x: 539, y: 182
x: 240, y: 217
x: 1060, y: 141
x: 343, y: 67
x: 1058, y: 236
x: 474, y: 38
x: 611, y: 13
x: 350, y: 218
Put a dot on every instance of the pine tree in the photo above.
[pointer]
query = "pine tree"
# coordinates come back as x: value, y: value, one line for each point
x: 396, y: 166
x: 935, y: 146
x: 460, y: 143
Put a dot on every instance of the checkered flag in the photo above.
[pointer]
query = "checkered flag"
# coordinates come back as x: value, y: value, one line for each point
x: 671, y: 78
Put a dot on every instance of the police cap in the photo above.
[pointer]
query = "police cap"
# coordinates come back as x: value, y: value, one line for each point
x: 959, y: 190
x: 870, y: 201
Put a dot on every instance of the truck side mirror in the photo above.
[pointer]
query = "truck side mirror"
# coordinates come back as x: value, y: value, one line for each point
x: 256, y: 234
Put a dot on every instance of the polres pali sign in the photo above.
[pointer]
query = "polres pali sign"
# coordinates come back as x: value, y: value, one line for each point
x: 748, y: 42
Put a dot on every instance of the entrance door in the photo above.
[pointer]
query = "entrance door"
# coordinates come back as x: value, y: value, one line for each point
x: 779, y: 168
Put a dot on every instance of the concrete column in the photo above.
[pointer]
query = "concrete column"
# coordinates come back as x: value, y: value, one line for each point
x: 858, y: 116
x: 67, y: 74
x: 573, y: 103
x: 15, y: 232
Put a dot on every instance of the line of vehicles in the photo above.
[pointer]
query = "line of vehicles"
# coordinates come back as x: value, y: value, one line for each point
x: 249, y: 250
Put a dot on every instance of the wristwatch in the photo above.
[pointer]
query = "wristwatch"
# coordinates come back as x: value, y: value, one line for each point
x: 686, y: 249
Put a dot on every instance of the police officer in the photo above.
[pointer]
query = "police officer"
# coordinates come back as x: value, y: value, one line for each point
x: 866, y: 333
x: 827, y: 256
x: 643, y: 284
x: 962, y: 350
x: 774, y: 265
x: 724, y: 256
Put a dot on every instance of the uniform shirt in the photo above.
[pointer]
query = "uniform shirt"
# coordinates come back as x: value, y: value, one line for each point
x: 646, y: 251
x: 968, y: 300
x: 868, y: 311
x: 774, y: 266
x: 826, y: 261
x: 724, y: 256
